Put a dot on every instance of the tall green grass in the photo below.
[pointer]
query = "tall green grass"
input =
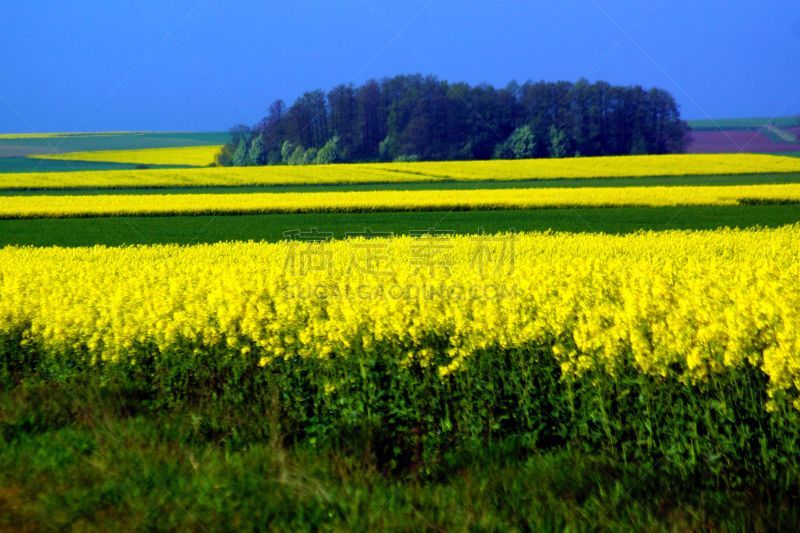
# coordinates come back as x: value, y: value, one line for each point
x: 203, y: 439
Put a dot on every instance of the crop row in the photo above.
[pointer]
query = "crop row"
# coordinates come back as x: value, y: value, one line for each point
x: 629, y: 166
x: 694, y: 304
x: 362, y: 201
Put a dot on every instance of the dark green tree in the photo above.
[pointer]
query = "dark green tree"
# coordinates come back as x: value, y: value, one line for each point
x: 330, y: 153
x: 257, y: 153
x: 427, y: 118
x: 559, y: 145
x: 521, y: 144
x: 240, y: 158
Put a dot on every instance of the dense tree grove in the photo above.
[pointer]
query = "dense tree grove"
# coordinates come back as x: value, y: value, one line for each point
x: 415, y: 117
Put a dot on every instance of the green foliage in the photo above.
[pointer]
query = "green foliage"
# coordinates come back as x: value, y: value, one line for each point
x: 225, y: 156
x: 330, y: 153
x: 256, y: 154
x: 421, y: 115
x: 79, y: 458
x: 301, y: 156
x: 714, y: 435
x: 388, y: 149
x: 287, y: 151
x: 309, y: 157
x: 521, y: 144
x: 298, y: 156
x: 559, y: 143
x: 202, y: 437
x: 240, y: 154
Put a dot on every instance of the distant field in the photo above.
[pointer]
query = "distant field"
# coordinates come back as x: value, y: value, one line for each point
x: 743, y: 123
x: 68, y: 134
x: 610, y: 167
x: 19, y: 146
x: 741, y: 140
x: 199, y: 156
x: 27, y: 165
x: 760, y: 135
x: 31, y: 206
x: 657, y: 181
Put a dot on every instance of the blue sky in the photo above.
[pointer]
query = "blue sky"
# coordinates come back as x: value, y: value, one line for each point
x: 205, y: 65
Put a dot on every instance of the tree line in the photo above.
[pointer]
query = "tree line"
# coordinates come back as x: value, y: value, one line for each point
x: 415, y: 117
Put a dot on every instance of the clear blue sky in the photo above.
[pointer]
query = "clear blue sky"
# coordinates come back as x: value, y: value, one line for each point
x: 91, y: 65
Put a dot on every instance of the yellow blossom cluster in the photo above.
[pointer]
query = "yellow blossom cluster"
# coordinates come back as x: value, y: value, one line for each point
x: 695, y: 303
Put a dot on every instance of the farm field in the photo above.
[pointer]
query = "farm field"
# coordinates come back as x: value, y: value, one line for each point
x: 658, y: 181
x: 764, y: 135
x: 733, y: 141
x: 28, y: 164
x: 540, y: 169
x: 29, y: 206
x: 601, y: 340
x: 123, y: 230
x: 514, y: 298
x: 744, y: 123
x: 198, y: 156
x: 15, y: 149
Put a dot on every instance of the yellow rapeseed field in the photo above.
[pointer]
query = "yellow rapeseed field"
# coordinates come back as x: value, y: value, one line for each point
x: 594, y: 167
x: 198, y: 156
x: 606, y: 167
x: 691, y: 303
x: 37, y: 206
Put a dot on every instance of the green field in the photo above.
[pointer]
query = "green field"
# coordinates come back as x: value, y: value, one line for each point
x: 743, y: 123
x: 27, y: 164
x: 115, y: 231
x: 122, y: 141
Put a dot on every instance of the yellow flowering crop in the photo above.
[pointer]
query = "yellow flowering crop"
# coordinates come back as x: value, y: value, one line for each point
x: 590, y: 167
x: 199, y: 156
x: 700, y: 302
x: 388, y: 200
x: 605, y: 167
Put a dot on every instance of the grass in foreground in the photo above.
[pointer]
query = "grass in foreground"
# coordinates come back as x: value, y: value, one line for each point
x: 86, y: 457
x: 116, y: 231
x: 595, y: 167
x: 64, y: 206
x: 197, y: 156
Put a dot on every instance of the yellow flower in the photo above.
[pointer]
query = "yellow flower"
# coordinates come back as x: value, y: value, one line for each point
x: 701, y: 302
